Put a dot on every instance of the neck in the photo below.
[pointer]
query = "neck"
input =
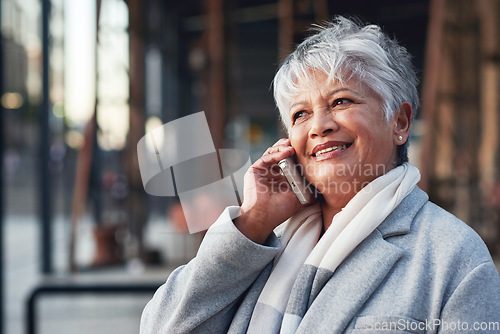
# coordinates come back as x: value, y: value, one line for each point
x: 330, y: 207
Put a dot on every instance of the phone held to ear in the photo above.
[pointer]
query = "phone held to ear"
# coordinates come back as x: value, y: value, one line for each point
x: 297, y: 182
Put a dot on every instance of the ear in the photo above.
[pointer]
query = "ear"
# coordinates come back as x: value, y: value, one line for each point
x: 402, y: 123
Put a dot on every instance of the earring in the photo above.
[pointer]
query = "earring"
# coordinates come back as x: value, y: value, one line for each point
x: 400, y: 138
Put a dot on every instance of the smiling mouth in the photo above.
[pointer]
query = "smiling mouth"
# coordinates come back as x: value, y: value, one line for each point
x: 331, y: 149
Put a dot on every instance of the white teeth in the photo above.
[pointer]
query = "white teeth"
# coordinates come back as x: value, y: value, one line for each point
x: 329, y: 149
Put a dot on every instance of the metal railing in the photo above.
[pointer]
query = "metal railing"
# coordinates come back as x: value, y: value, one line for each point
x: 53, y: 288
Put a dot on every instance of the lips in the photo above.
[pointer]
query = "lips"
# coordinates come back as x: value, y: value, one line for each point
x: 328, y: 147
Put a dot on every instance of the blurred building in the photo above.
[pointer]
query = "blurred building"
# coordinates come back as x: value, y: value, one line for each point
x: 117, y: 69
x: 155, y: 61
x: 460, y: 109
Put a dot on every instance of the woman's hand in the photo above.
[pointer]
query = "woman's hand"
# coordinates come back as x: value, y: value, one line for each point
x: 267, y: 200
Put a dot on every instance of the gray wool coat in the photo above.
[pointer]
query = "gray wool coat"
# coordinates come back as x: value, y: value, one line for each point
x: 421, y: 271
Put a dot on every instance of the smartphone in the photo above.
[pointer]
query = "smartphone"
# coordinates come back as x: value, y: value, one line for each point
x: 297, y: 182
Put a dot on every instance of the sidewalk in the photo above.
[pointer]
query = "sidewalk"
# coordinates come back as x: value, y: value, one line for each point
x: 76, y: 313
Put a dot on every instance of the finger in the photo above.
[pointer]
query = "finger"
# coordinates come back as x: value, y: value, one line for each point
x: 283, y: 141
x: 267, y: 165
x: 275, y: 148
x: 278, y: 148
x: 277, y: 153
x: 268, y: 172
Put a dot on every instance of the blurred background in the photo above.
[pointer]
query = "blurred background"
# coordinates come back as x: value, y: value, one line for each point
x: 83, y: 246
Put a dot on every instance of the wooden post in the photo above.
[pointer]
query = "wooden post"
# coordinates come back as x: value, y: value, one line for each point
x: 430, y: 86
x: 136, y: 201
x: 489, y: 140
x: 81, y: 188
x: 286, y: 28
x: 488, y: 148
x: 440, y: 131
x: 465, y: 58
x: 84, y: 165
x: 216, y: 72
x: 285, y: 39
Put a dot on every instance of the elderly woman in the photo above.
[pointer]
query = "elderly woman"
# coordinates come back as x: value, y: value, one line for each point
x: 371, y: 253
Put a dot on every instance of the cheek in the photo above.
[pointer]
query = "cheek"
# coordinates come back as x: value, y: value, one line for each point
x: 296, y: 139
x: 381, y: 142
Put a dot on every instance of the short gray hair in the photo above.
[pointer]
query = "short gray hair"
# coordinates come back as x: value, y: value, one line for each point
x: 345, y: 49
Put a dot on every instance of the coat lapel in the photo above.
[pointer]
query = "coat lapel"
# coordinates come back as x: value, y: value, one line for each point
x: 356, y: 279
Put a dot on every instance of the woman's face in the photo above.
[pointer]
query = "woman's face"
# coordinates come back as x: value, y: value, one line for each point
x: 340, y: 135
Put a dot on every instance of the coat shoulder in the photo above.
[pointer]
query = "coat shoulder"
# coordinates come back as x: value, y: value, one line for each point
x: 448, y: 237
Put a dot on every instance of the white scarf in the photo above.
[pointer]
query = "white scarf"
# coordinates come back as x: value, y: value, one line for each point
x: 358, y: 219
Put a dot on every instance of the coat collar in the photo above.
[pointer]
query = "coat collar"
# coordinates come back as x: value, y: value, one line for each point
x: 361, y: 273
x: 399, y: 221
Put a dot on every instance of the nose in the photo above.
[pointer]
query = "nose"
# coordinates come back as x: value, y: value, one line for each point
x: 323, y: 122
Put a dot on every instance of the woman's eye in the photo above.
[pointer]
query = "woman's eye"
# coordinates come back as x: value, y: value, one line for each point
x: 298, y: 115
x: 341, y: 101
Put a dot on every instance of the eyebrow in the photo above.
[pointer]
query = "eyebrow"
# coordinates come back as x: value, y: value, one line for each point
x: 333, y: 92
